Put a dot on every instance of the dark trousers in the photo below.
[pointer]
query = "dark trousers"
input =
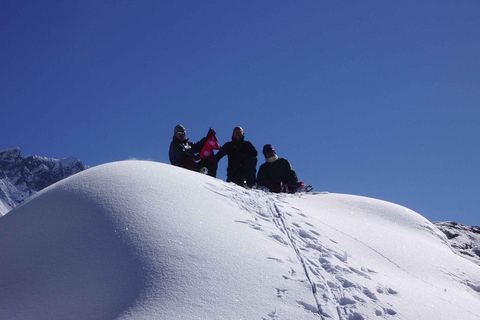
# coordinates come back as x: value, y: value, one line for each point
x: 245, y: 174
x: 208, y: 163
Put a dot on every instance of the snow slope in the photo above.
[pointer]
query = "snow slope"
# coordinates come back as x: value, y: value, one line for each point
x: 145, y: 240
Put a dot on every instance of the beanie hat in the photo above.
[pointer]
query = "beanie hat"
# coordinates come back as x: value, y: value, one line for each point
x: 179, y: 128
x: 268, y: 148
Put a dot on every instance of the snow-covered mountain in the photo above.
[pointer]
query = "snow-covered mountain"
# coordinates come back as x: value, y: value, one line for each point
x: 146, y: 240
x: 21, y: 177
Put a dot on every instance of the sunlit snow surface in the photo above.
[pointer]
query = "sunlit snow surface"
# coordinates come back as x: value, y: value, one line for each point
x: 145, y: 240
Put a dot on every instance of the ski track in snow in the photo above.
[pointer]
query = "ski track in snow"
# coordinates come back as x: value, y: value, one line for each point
x: 341, y: 288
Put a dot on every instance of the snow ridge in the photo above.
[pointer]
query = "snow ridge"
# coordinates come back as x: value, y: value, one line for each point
x: 145, y: 240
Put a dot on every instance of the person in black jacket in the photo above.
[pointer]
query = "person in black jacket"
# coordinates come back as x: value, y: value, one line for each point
x: 277, y: 174
x: 184, y: 154
x: 242, y: 159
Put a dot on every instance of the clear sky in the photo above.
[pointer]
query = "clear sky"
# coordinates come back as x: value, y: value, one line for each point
x: 373, y: 98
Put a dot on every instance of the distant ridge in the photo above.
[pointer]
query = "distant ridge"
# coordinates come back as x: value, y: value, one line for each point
x: 21, y: 177
x: 465, y: 240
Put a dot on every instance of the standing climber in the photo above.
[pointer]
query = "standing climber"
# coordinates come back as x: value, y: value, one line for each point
x: 242, y: 159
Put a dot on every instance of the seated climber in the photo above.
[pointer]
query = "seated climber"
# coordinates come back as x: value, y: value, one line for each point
x: 277, y: 174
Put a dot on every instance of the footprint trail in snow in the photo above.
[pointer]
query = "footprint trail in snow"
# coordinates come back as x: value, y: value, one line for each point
x: 341, y: 287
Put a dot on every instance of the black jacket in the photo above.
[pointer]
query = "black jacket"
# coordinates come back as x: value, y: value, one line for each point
x: 182, y: 150
x: 273, y: 174
x: 242, y: 160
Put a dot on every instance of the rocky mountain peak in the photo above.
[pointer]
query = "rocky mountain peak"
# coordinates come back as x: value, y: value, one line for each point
x: 465, y: 240
x: 21, y: 177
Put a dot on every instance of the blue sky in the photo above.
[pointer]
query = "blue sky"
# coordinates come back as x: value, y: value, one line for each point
x: 373, y: 98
